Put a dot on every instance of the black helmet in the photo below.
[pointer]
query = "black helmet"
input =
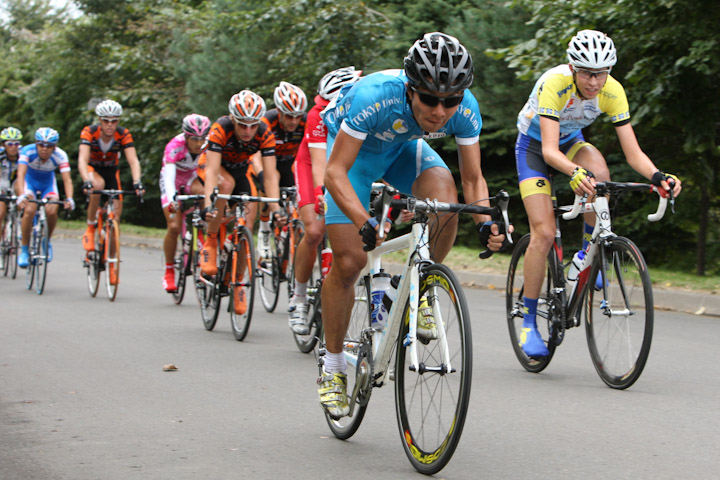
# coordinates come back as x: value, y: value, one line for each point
x: 439, y: 63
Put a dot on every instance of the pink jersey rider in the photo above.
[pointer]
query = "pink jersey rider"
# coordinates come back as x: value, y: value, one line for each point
x: 179, y: 169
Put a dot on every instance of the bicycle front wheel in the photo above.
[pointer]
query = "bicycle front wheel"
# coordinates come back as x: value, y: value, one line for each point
x: 297, y: 231
x: 112, y: 256
x: 182, y: 266
x: 242, y: 284
x: 547, y: 309
x: 32, y: 253
x: 359, y: 369
x: 41, y: 258
x: 432, y: 401
x: 268, y: 272
x: 306, y: 343
x: 619, y: 317
x: 208, y: 293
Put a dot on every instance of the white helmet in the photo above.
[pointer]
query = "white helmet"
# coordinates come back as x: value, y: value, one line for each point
x: 108, y: 108
x: 290, y: 99
x: 247, y: 107
x: 591, y: 49
x: 332, y: 82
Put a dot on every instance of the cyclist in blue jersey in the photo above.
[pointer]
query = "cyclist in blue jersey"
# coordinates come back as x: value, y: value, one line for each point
x: 36, y: 179
x: 377, y: 129
x: 565, y: 100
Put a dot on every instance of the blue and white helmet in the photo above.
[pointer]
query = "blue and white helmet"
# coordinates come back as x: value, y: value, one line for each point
x: 47, y: 135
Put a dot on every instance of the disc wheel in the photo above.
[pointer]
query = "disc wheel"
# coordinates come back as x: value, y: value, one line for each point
x: 432, y: 400
x: 346, y: 427
x: 548, y: 309
x: 619, y: 317
x: 242, y: 285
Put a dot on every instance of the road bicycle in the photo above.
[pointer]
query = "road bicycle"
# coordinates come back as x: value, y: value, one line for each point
x: 186, y: 256
x: 106, y: 255
x: 613, y: 290
x: 278, y: 266
x: 10, y: 245
x: 236, y: 273
x: 36, y: 270
x: 432, y: 376
x: 323, y: 260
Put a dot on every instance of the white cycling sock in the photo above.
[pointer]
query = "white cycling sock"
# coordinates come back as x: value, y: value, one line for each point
x: 300, y: 289
x: 335, y: 362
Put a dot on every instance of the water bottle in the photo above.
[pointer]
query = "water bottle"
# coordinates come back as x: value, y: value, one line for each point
x: 326, y: 255
x: 388, y: 299
x: 186, y: 243
x: 380, y: 283
x: 576, y: 266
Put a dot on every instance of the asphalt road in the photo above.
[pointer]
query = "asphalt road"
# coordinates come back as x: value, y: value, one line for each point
x: 83, y: 395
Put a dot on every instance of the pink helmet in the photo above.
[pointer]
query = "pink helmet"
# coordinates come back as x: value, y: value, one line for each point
x: 195, y: 125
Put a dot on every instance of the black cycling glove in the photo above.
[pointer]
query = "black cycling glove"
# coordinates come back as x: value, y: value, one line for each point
x: 369, y: 234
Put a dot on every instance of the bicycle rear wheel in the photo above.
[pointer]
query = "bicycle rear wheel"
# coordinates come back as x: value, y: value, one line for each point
x: 268, y: 273
x: 112, y: 256
x: 306, y: 343
x: 182, y: 266
x: 431, y: 405
x: 359, y: 369
x: 41, y: 258
x: 242, y: 283
x: 547, y: 310
x: 619, y: 317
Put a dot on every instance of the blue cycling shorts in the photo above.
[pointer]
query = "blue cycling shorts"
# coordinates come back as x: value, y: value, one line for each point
x: 399, y: 167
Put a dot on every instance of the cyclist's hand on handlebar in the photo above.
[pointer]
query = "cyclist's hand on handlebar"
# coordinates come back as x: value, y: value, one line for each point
x: 138, y: 187
x: 369, y: 234
x: 69, y: 204
x: 582, y: 181
x: 667, y: 181
x: 173, y: 207
x: 87, y: 187
x: 22, y: 201
x: 208, y: 213
x: 492, y: 236
x: 320, y: 199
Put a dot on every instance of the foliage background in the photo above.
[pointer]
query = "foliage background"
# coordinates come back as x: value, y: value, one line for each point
x: 162, y: 59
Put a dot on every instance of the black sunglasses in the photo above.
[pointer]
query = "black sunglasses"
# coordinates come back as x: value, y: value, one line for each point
x: 433, y: 101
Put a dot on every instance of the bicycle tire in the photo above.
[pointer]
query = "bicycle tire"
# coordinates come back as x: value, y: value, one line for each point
x: 619, y: 339
x: 243, y: 254
x: 7, y: 245
x: 112, y: 238
x: 346, y: 427
x: 181, y: 266
x: 432, y: 406
x: 208, y: 290
x: 32, y: 252
x: 15, y: 245
x: 268, y: 273
x: 306, y: 343
x: 42, y: 258
x: 547, y: 310
x: 297, y: 231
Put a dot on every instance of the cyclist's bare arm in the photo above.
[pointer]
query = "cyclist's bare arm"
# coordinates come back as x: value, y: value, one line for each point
x: 473, y: 182
x: 550, y: 134
x: 342, y: 158
x: 212, y: 167
x: 83, y: 159
x: 271, y: 181
x: 20, y: 179
x: 67, y: 183
x: 636, y: 158
x: 134, y: 162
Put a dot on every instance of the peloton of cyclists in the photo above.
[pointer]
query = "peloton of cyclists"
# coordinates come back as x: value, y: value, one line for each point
x: 566, y: 99
x: 233, y: 142
x: 310, y: 164
x: 179, y: 174
x: 100, y: 148
x: 36, y: 179
x: 376, y: 129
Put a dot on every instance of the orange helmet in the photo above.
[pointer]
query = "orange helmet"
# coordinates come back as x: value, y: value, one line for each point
x: 247, y: 107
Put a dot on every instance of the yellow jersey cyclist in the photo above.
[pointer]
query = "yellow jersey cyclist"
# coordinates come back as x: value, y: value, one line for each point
x: 101, y: 146
x: 309, y: 172
x: 566, y: 99
x: 36, y: 179
x: 376, y: 129
x: 10, y: 139
x: 287, y: 123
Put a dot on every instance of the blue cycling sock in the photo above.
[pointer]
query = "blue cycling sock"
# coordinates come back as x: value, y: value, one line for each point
x: 24, y: 249
x: 529, y: 312
x: 587, y: 235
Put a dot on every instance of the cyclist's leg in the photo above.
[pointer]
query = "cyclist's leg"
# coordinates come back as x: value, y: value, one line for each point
x: 430, y: 178
x: 535, y: 192
x: 51, y: 211
x: 208, y: 255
